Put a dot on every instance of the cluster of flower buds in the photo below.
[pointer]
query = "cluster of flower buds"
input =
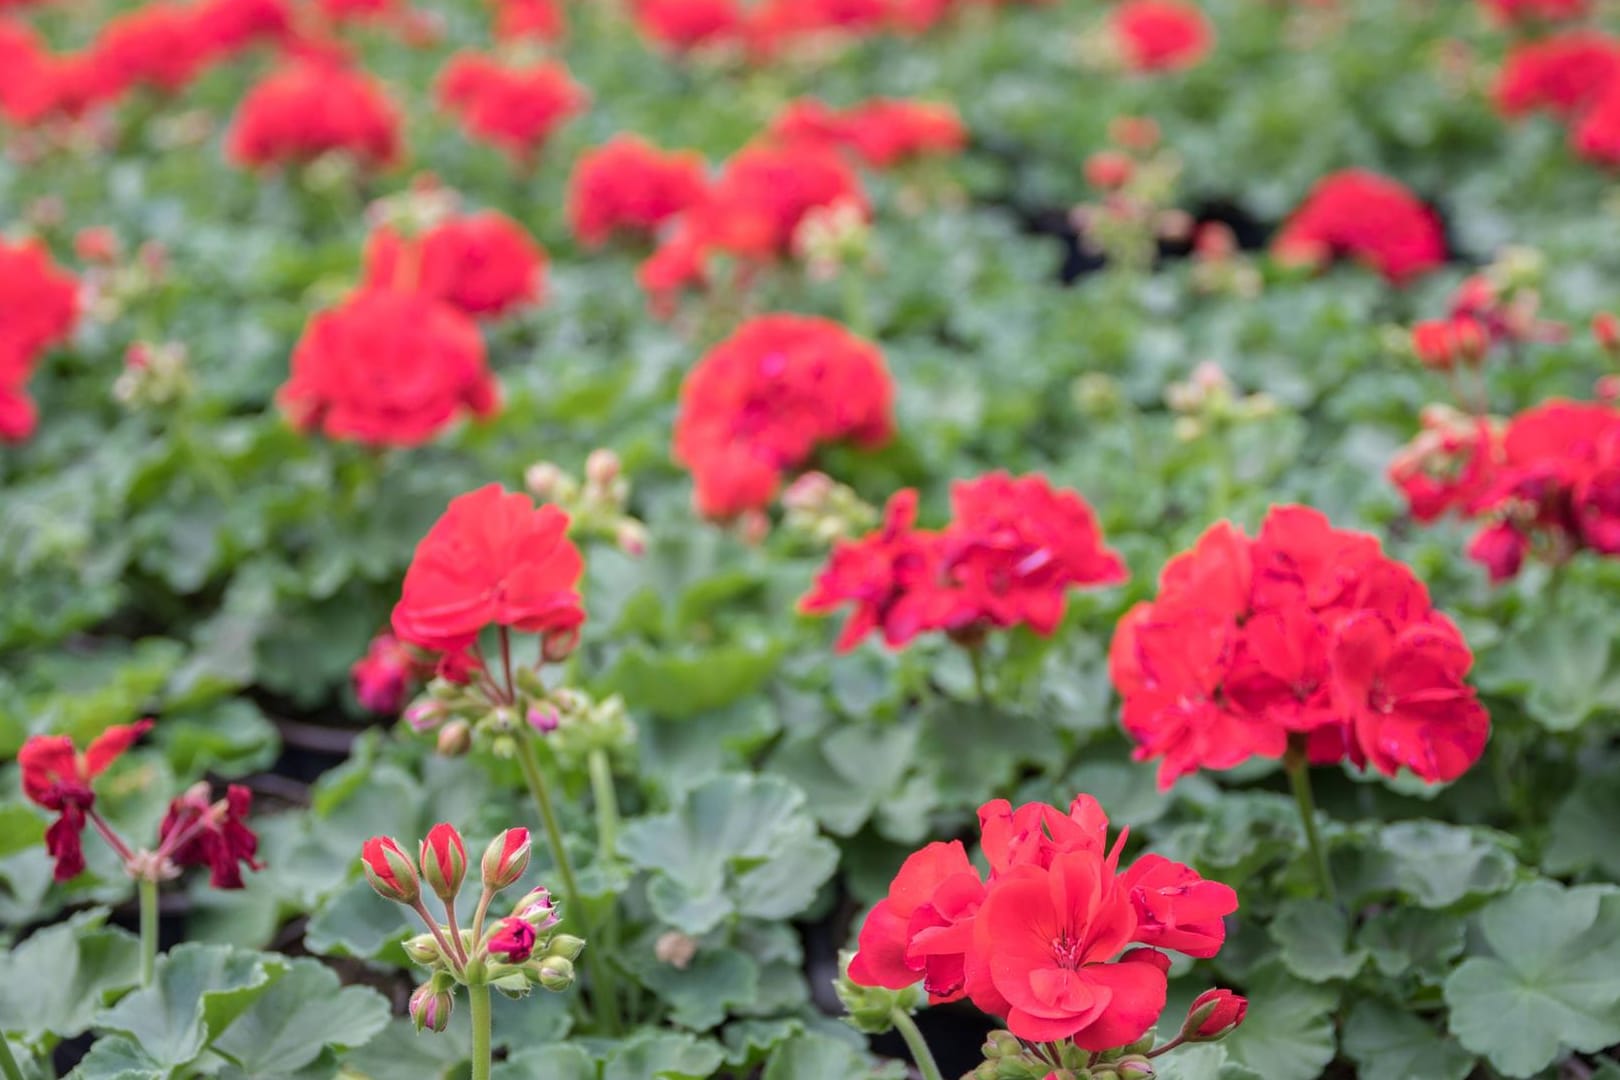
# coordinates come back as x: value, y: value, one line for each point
x: 596, y: 505
x: 1207, y: 403
x: 1213, y: 1015
x: 821, y: 510
x: 574, y: 725
x: 1499, y: 306
x: 1219, y: 268
x: 111, y: 282
x: 834, y: 238
x: 153, y: 375
x: 871, y: 1009
x: 513, y: 953
x: 1136, y: 178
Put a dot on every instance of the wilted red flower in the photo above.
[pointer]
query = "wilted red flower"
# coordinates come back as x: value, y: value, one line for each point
x: 1367, y: 217
x: 760, y: 402
x: 1564, y: 74
x: 483, y: 264
x: 515, y: 109
x: 1160, y: 35
x: 1046, y: 942
x: 882, y: 132
x: 387, y: 368
x: 58, y: 778
x: 198, y: 831
x: 1248, y: 651
x: 308, y: 108
x: 512, y: 940
x: 627, y: 185
x: 681, y: 25
x: 491, y: 559
x: 1518, y: 12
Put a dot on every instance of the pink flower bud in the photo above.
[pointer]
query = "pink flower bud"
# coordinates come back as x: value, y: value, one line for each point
x: 537, y: 910
x: 444, y: 861
x: 1214, y: 1014
x: 513, y: 940
x: 631, y: 536
x: 506, y: 858
x: 544, y: 719
x: 602, y: 467
x: 425, y: 715
x: 1606, y: 329
x: 431, y: 1008
x: 1109, y: 170
x: 389, y: 870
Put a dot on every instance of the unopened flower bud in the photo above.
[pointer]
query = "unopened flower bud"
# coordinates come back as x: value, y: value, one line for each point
x: 602, y: 467
x: 455, y: 738
x: 631, y: 537
x: 512, y: 940
x: 431, y: 1007
x: 985, y: 1071
x: 556, y: 974
x: 1213, y: 1015
x: 389, y: 870
x: 425, y: 715
x: 1606, y: 329
x: 544, y: 718
x: 1000, y: 1044
x: 542, y: 480
x: 444, y: 861
x: 1608, y: 388
x: 1109, y: 170
x: 506, y: 858
x: 558, y: 645
x: 1135, y: 1067
x: 1134, y: 132
x: 566, y: 946
x: 423, y: 949
x: 675, y: 949
x: 536, y: 909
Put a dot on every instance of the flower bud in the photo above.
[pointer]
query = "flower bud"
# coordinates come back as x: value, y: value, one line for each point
x: 1134, y: 132
x: 444, y: 861
x: 506, y: 858
x: 558, y: 645
x: 512, y: 940
x: 389, y: 870
x: 425, y: 715
x: 536, y: 909
x: 556, y: 974
x: 1000, y: 1044
x: 631, y: 537
x: 542, y: 479
x: 423, y: 949
x: 544, y: 718
x: 1214, y: 1015
x: 1606, y: 328
x: 455, y: 739
x: 1135, y: 1067
x: 1109, y: 169
x: 601, y: 467
x: 565, y: 946
x: 431, y: 1007
x: 675, y: 949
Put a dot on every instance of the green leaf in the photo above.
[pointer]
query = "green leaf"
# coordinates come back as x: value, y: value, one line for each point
x: 847, y: 773
x: 304, y: 1011
x: 196, y: 992
x: 1288, y: 1033
x: 119, y: 1058
x: 1432, y: 864
x: 1583, y: 834
x: 401, y: 1051
x: 1202, y: 1061
x: 700, y: 995
x: 1313, y: 939
x: 681, y: 687
x: 1550, y: 981
x: 232, y: 738
x: 813, y: 1056
x: 1560, y: 662
x: 1386, y: 1041
x: 1412, y: 941
x: 56, y: 981
x: 661, y: 1055
x: 735, y: 845
x: 357, y: 922
x: 557, y: 1061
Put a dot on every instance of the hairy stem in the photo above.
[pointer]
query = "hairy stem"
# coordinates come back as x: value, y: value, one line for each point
x: 924, y: 1057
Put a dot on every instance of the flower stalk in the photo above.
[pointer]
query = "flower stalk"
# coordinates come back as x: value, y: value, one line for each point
x: 920, y: 1054
x: 147, y: 890
x: 1298, y: 767
x: 478, y: 1006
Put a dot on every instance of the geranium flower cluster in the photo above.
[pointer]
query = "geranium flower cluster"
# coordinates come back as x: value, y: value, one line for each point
x: 1498, y: 307
x: 483, y: 264
x: 1545, y: 483
x: 38, y: 308
x: 310, y: 107
x: 628, y: 187
x: 196, y: 830
x: 1058, y: 941
x: 1159, y: 35
x: 1370, y: 218
x: 880, y: 133
x: 163, y: 46
x: 515, y: 109
x: 1573, y: 76
x: 759, y: 404
x: 1305, y: 639
x: 1013, y: 549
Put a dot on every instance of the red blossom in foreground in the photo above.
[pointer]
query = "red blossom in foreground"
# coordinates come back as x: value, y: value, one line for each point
x: 309, y: 108
x: 1057, y: 941
x: 387, y: 368
x: 484, y: 264
x: 759, y: 404
x: 1013, y: 549
x: 38, y: 307
x: 882, y: 133
x: 58, y: 778
x: 1306, y: 636
x: 1160, y: 35
x: 515, y: 109
x: 198, y: 831
x: 491, y: 559
x: 1367, y: 217
x: 627, y: 185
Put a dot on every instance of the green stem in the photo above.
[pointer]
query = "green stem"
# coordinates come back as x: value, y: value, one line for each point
x: 915, y: 1042
x: 1299, y: 778
x: 853, y: 284
x: 147, y: 890
x: 607, y: 803
x: 607, y: 1004
x: 980, y: 685
x: 478, y: 1000
x: 8, y: 1064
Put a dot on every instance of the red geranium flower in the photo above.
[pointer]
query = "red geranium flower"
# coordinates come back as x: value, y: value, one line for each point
x: 200, y: 832
x: 157, y: 45
x: 1565, y: 73
x: 387, y: 368
x: 542, y: 20
x: 382, y: 677
x: 231, y: 25
x: 1160, y: 35
x: 492, y: 559
x: 882, y: 132
x: 512, y: 940
x: 917, y: 931
x: 760, y: 402
x: 309, y: 108
x: 627, y: 185
x: 55, y: 776
x: 1448, y: 465
x: 515, y: 109
x: 1367, y: 217
x: 763, y: 194
x: 1515, y: 12
x: 1597, y: 136
x: 38, y: 307
x: 682, y: 25
x: 482, y: 264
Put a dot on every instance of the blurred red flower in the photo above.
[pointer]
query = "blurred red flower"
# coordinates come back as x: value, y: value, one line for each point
x: 627, y: 185
x: 482, y: 264
x: 308, y: 108
x: 1160, y: 35
x: 515, y: 109
x: 881, y: 133
x: 1361, y: 215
